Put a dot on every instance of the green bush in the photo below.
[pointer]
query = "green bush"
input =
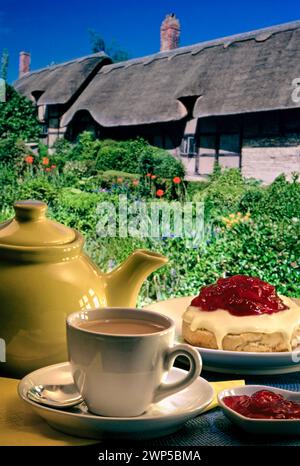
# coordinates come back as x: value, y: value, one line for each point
x: 131, y: 156
x: 223, y: 193
x: 86, y: 147
x: 281, y: 198
x: 12, y: 150
x: 137, y: 156
x: 115, y: 157
x: 9, y: 185
x: 61, y: 151
x: 76, y: 169
x: 264, y: 248
x: 40, y: 188
x: 160, y: 163
x: 120, y: 155
x: 78, y: 209
x: 195, y: 187
x: 18, y: 116
x: 251, y: 199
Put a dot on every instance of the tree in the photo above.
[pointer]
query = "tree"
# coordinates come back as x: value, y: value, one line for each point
x: 114, y: 50
x: 18, y: 116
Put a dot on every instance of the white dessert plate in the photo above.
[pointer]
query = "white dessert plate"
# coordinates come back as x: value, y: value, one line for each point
x: 233, y: 362
x: 162, y: 418
x: 261, y: 426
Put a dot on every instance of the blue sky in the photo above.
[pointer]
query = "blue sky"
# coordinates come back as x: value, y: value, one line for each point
x: 57, y: 30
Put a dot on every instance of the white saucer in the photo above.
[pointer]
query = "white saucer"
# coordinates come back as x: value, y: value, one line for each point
x: 234, y: 362
x: 162, y: 418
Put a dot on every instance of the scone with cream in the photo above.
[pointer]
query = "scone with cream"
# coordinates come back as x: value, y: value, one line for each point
x: 242, y: 313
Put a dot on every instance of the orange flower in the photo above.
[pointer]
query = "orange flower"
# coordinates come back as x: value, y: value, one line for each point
x: 45, y: 161
x: 148, y: 174
x: 177, y: 180
x: 153, y: 177
x: 120, y: 180
x: 135, y: 182
x: 53, y: 167
x: 29, y: 159
x: 48, y: 169
x: 160, y: 193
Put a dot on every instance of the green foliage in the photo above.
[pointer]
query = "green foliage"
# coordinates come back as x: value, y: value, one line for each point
x: 281, y: 199
x: 223, y: 194
x: 137, y: 156
x: 114, y: 158
x: 12, y: 150
x: 61, y: 152
x: 42, y: 151
x: 165, y: 165
x: 195, y: 187
x: 78, y: 209
x: 90, y: 156
x: 264, y: 248
x: 120, y: 155
x: 86, y: 147
x: 18, y: 116
x: 251, y: 199
x: 262, y: 240
x: 76, y: 169
x: 160, y: 163
x: 38, y: 187
x: 9, y: 186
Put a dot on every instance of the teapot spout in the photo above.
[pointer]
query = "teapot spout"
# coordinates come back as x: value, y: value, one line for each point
x: 123, y: 283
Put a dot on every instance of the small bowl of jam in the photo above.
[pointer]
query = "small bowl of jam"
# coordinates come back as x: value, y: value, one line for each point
x: 260, y: 409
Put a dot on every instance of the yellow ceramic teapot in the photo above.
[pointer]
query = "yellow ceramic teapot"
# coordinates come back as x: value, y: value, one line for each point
x: 45, y: 275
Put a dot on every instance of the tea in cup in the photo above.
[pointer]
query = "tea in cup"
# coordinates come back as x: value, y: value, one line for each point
x: 120, y: 356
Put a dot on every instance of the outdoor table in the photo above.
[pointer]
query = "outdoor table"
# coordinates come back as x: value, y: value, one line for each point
x: 208, y: 429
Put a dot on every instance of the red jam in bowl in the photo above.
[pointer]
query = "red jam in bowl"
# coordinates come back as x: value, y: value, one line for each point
x: 240, y: 295
x: 263, y: 404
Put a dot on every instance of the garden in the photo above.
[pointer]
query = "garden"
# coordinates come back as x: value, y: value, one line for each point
x: 249, y: 228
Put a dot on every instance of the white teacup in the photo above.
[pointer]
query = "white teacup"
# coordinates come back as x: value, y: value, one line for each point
x: 120, y: 375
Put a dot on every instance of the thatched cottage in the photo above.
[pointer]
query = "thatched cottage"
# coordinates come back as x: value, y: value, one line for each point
x: 235, y: 100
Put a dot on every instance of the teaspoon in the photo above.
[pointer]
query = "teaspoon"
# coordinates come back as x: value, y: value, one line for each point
x: 55, y: 396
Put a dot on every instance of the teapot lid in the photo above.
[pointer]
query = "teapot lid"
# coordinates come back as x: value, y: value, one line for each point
x: 31, y: 227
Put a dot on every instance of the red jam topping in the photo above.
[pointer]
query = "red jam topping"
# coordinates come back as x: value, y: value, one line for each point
x: 241, y: 296
x: 263, y: 404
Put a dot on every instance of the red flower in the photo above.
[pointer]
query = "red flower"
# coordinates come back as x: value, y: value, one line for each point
x: 45, y: 161
x: 160, y: 193
x: 29, y: 159
x: 120, y: 180
x: 53, y: 167
x: 177, y: 180
x: 153, y: 177
x: 48, y: 169
x: 148, y: 174
x: 135, y: 182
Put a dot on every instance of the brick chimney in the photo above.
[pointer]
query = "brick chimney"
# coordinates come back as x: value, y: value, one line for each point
x: 24, y: 63
x: 169, y: 33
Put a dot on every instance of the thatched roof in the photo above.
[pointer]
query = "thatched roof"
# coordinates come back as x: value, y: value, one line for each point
x: 58, y: 83
x: 243, y: 73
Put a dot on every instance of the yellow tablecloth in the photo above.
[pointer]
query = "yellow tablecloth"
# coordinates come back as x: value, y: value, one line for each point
x: 20, y: 426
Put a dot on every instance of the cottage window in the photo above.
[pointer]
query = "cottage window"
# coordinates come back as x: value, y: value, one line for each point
x: 44, y: 130
x: 188, y: 145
